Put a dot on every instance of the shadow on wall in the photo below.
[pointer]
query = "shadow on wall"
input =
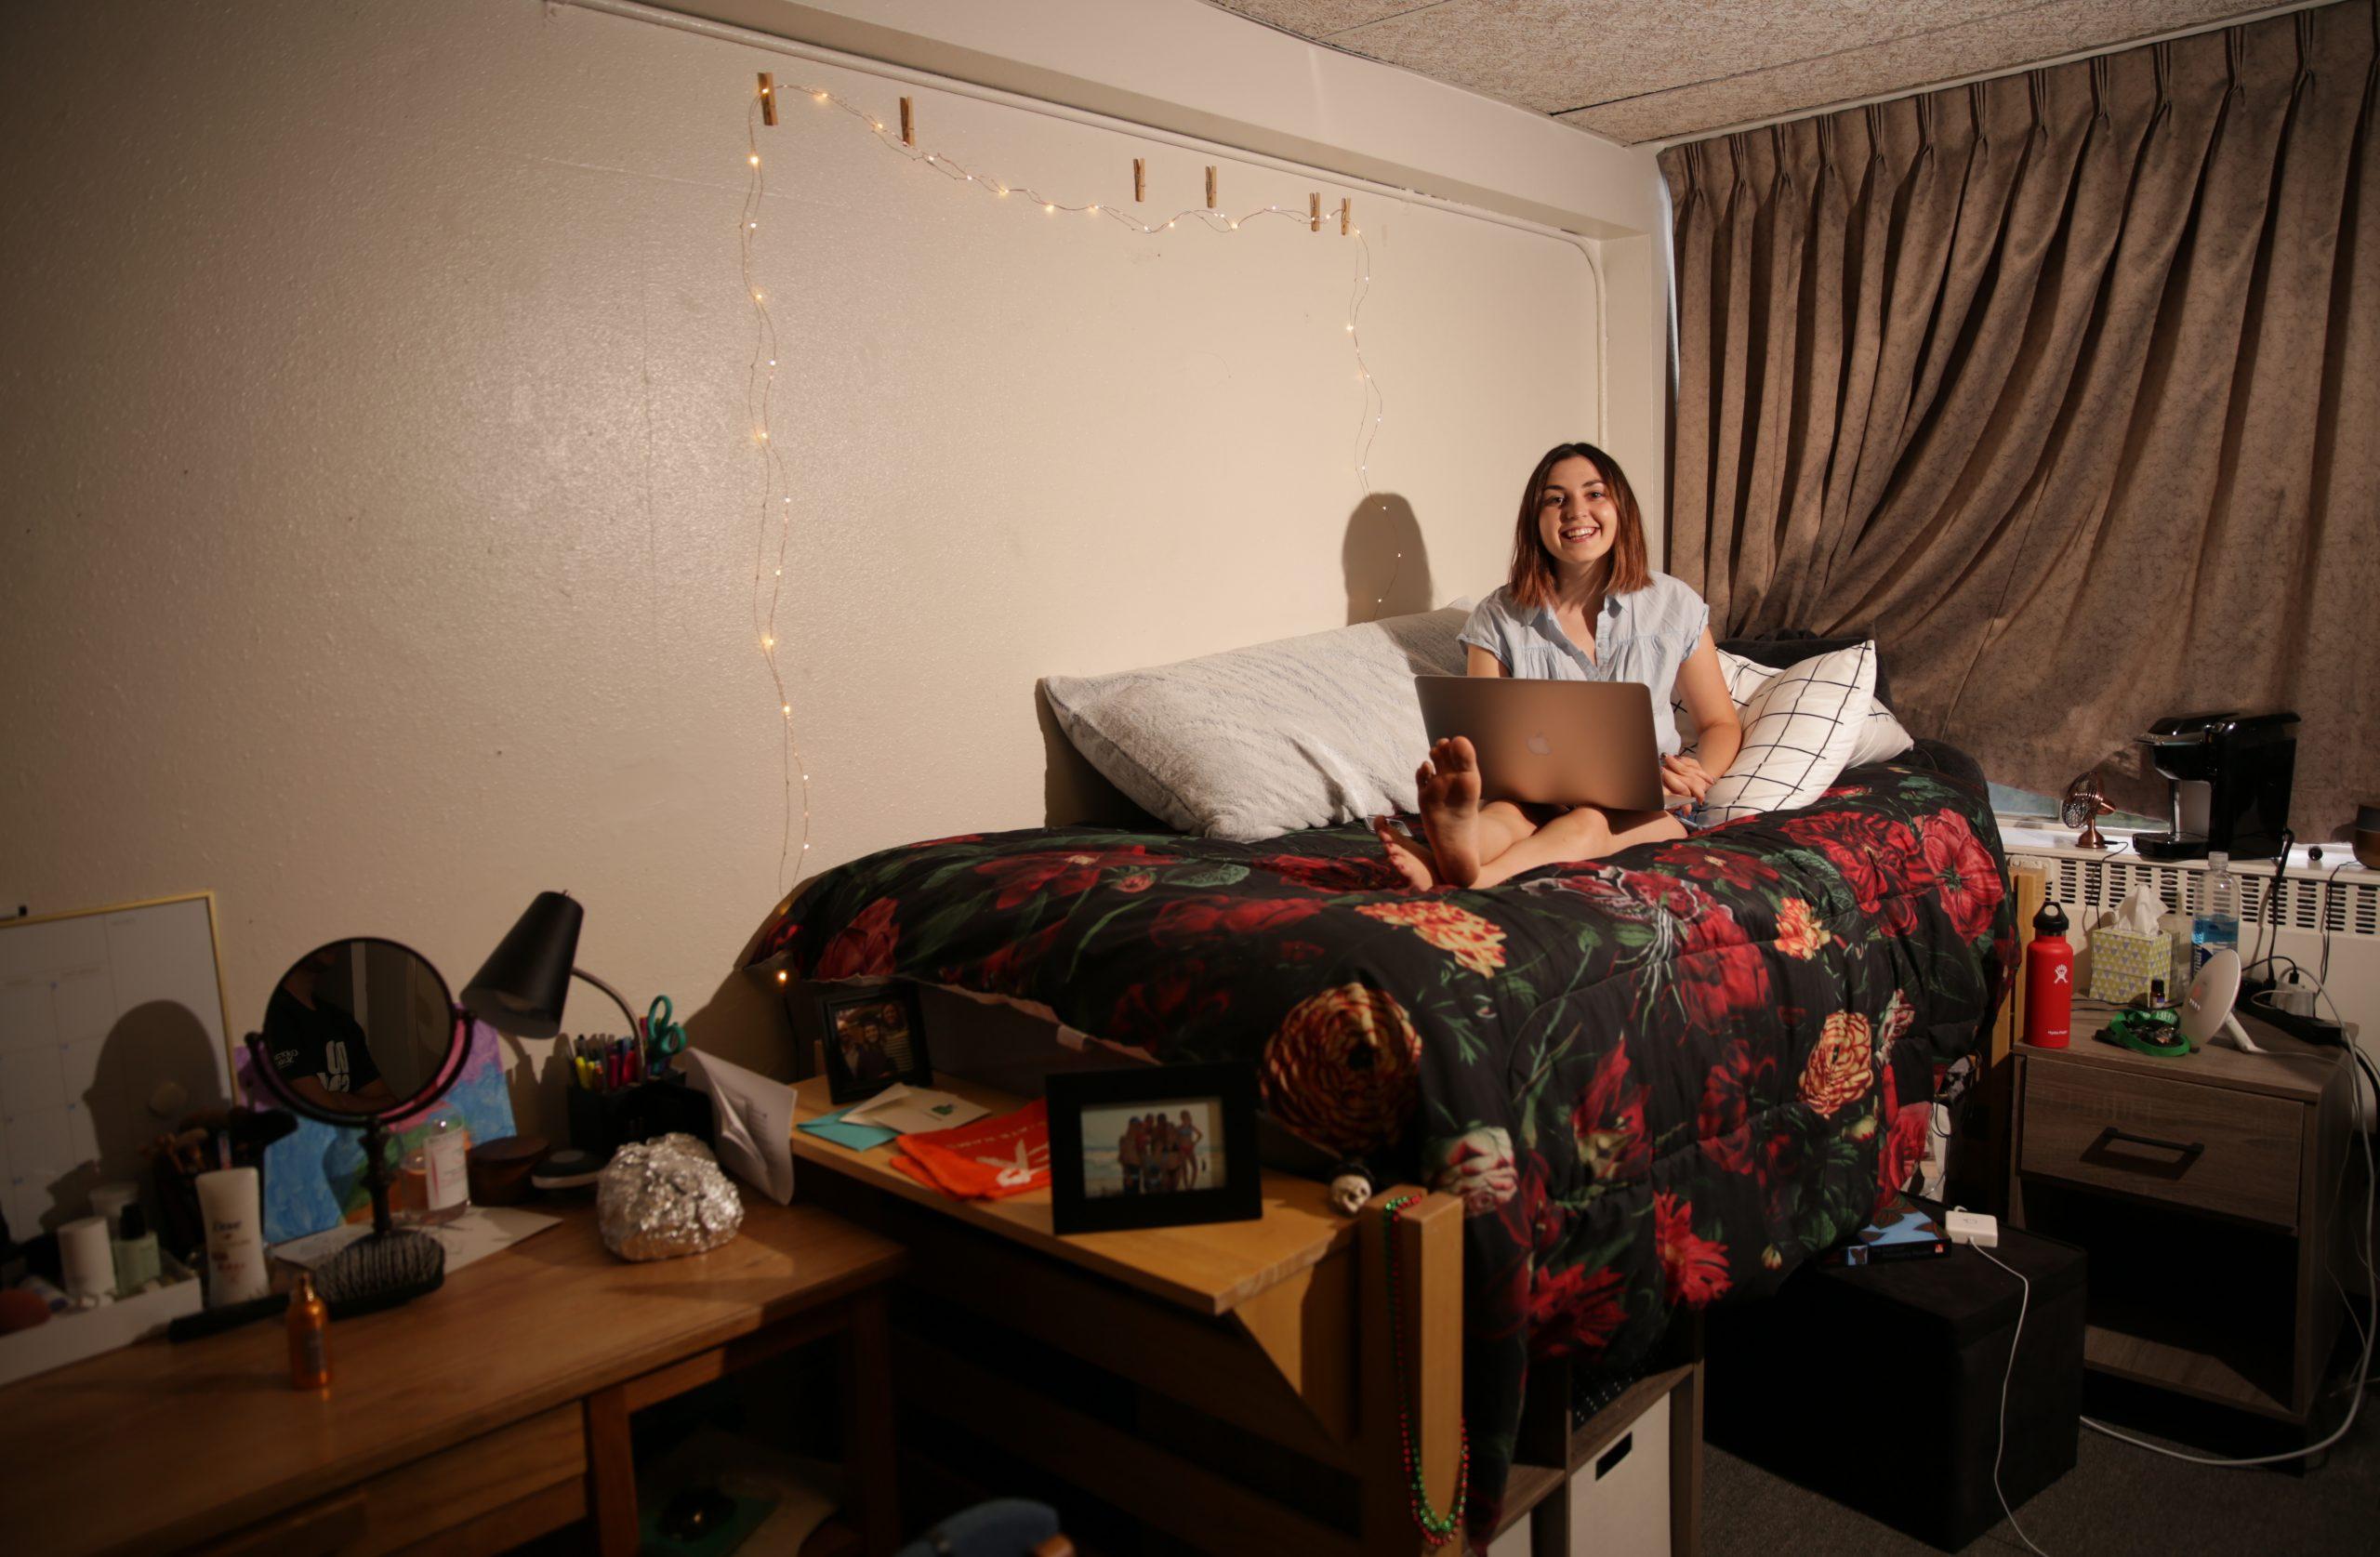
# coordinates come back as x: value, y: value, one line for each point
x: 1386, y: 565
x: 1074, y: 794
x: 156, y: 1064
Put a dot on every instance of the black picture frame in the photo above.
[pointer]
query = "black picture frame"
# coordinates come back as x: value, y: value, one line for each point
x: 1092, y: 1101
x: 839, y: 1011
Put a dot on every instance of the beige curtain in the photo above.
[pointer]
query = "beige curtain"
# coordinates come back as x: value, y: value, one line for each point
x: 2068, y: 385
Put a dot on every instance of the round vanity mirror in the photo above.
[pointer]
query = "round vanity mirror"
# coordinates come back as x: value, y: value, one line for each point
x: 361, y: 1033
x: 362, y: 1027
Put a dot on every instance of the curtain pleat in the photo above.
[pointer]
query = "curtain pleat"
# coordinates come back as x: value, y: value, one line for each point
x: 2068, y: 385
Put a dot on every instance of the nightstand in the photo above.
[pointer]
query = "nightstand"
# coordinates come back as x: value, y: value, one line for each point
x: 2206, y: 1189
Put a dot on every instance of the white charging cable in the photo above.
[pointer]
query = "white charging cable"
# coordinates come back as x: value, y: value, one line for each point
x: 2024, y: 1301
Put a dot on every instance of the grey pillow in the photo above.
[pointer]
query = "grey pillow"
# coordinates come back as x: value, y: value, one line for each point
x: 1253, y: 743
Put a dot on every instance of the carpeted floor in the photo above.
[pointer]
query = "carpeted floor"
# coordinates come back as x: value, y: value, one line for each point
x: 2117, y: 1500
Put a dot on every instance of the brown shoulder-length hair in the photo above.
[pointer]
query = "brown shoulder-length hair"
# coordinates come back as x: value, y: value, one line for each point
x: 1533, y: 578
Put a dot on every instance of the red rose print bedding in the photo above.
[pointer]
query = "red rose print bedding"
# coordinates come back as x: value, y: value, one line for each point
x: 1655, y: 1080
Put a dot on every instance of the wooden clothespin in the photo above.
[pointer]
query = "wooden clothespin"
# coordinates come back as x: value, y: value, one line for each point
x: 1140, y: 179
x: 1346, y: 221
x: 1210, y: 188
x: 768, y: 99
x: 1314, y: 212
x: 909, y: 123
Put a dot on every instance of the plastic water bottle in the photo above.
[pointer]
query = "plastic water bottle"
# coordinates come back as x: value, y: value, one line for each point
x: 2217, y: 925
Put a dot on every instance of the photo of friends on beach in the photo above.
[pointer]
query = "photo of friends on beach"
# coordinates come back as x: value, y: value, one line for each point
x: 872, y: 1040
x: 1153, y: 1148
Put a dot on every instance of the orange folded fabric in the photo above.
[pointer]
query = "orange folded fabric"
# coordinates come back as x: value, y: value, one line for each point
x: 985, y: 1159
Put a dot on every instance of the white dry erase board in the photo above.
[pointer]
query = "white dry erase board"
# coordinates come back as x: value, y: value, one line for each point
x: 112, y: 1027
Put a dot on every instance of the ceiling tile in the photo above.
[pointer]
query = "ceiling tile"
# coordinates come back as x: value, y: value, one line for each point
x: 1320, y: 19
x: 1644, y: 70
x: 1552, y: 55
x: 2009, y: 41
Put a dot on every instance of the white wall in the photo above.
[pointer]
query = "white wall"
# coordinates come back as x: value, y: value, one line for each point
x: 381, y: 501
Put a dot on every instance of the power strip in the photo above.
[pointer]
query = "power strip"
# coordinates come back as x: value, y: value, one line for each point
x: 2312, y: 1029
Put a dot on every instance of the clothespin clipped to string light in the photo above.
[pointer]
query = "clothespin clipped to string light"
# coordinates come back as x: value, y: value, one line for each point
x: 1314, y: 212
x: 768, y: 99
x: 1210, y: 187
x: 1140, y: 179
x: 909, y: 123
x: 1346, y: 216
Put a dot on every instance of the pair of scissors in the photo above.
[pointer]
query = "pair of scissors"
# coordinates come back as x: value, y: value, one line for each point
x: 663, y: 1037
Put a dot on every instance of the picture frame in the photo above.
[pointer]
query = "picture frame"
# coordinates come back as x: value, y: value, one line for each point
x: 872, y: 1037
x: 1153, y: 1146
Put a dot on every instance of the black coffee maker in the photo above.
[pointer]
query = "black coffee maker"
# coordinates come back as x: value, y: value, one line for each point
x: 2230, y: 775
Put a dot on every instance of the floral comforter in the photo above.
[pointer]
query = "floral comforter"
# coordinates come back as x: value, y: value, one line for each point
x: 1654, y: 1080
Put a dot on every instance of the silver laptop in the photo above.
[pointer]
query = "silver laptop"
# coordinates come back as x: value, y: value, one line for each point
x: 1551, y: 742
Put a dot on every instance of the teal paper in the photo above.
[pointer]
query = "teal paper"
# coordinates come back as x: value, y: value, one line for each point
x: 859, y: 1137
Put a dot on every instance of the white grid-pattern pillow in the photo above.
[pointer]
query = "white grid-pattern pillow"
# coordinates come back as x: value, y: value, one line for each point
x: 1881, y: 735
x: 1800, y: 729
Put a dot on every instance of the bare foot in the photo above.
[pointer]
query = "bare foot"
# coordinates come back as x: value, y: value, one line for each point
x: 1449, y: 782
x: 1405, y: 853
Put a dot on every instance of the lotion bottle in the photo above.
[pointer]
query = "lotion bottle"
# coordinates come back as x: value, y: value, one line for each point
x: 135, y: 1248
x: 309, y: 1337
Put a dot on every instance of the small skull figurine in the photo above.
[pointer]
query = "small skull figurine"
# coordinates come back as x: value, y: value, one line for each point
x: 1350, y: 1190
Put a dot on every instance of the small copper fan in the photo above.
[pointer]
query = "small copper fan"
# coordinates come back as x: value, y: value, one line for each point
x: 2082, y: 808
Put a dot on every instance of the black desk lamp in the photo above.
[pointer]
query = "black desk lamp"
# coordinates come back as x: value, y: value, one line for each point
x: 520, y: 987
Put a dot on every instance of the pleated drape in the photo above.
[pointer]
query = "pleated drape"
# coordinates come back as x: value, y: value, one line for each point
x: 2068, y: 385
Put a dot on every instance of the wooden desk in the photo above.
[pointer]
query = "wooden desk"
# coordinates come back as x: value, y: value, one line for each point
x: 1240, y: 1343
x: 1212, y: 1268
x: 493, y: 1411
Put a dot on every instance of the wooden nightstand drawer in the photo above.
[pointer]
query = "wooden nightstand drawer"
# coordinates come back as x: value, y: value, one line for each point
x: 2211, y: 1148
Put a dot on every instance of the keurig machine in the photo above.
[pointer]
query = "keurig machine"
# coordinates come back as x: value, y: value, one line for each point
x: 2230, y: 775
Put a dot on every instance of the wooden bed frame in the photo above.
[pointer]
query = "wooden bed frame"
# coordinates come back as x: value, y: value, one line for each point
x: 1228, y: 1386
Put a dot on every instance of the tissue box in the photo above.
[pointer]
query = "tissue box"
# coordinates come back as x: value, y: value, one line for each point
x: 2123, y: 963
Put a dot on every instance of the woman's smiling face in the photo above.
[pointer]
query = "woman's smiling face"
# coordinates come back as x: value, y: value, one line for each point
x: 1577, y: 520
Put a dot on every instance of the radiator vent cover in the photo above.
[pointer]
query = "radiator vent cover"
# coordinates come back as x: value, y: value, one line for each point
x: 2344, y: 902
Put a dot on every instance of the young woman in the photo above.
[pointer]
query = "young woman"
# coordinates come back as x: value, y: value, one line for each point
x: 1580, y: 605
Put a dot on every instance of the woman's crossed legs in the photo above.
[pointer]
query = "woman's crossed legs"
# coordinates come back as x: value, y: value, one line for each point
x: 1472, y: 845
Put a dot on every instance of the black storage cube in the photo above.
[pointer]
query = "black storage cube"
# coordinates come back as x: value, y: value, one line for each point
x: 1879, y: 1385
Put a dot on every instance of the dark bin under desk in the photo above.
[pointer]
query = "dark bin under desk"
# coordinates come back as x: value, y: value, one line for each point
x: 1880, y: 1386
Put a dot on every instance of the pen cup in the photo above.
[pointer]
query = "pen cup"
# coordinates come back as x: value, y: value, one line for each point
x: 601, y: 1123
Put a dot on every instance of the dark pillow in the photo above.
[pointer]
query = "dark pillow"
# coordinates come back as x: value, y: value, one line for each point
x: 1791, y: 645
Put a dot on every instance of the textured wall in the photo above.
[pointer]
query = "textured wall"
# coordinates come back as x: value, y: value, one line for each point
x: 379, y: 524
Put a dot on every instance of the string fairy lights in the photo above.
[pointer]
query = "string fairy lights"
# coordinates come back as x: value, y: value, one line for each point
x: 775, y: 496
x: 760, y: 398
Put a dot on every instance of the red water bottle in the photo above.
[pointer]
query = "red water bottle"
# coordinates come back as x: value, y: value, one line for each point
x: 2049, y: 981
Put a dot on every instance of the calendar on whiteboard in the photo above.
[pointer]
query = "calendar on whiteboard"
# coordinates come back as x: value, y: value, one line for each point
x: 110, y: 1030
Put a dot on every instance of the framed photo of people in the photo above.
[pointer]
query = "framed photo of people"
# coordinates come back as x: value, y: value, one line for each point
x: 873, y: 1038
x: 1153, y: 1146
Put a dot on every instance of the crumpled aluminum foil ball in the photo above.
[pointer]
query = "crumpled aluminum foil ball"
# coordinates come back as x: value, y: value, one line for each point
x: 658, y: 1199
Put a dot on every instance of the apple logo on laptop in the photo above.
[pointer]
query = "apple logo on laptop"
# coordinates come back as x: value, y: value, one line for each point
x: 1540, y: 745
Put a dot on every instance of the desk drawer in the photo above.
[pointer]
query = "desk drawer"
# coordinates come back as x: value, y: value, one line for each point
x: 486, y: 1495
x: 2211, y: 1148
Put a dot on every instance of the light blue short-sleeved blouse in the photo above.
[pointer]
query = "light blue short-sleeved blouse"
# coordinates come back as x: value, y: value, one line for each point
x: 1643, y: 636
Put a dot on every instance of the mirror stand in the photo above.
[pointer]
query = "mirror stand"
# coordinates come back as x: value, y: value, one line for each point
x: 359, y: 1034
x: 388, y: 1265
